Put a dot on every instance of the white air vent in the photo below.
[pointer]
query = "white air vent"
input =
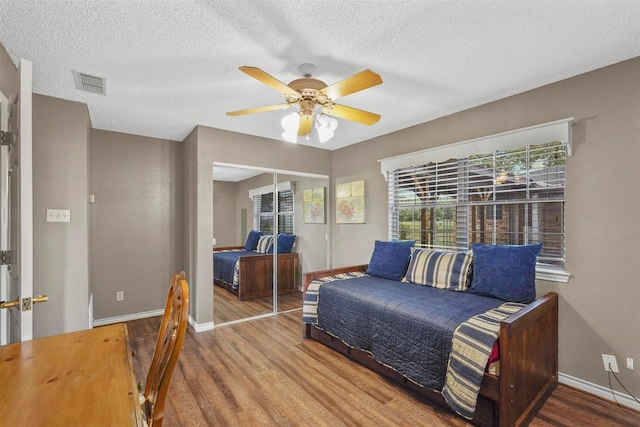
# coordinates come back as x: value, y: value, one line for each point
x: 89, y: 83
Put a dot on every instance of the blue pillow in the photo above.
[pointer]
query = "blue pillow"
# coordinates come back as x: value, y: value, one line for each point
x: 410, y: 243
x: 390, y: 259
x: 285, y: 243
x: 505, y: 272
x: 252, y: 240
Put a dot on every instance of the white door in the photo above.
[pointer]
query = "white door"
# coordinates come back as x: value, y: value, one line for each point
x: 16, y: 204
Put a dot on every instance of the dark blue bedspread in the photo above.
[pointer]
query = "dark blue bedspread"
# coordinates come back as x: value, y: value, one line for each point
x: 224, y: 263
x: 406, y: 326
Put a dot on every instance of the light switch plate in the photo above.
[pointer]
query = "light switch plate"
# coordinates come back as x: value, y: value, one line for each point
x: 58, y: 215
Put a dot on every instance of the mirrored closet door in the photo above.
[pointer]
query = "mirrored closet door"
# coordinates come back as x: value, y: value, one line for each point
x: 254, y: 208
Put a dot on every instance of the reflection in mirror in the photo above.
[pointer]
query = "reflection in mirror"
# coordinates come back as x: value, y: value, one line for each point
x: 232, y: 221
x: 310, y: 229
x: 244, y: 204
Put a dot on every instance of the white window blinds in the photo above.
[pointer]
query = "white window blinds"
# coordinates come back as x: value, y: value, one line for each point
x: 263, y: 208
x: 511, y: 197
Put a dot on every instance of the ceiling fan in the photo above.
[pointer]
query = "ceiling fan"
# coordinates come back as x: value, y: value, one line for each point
x: 308, y: 93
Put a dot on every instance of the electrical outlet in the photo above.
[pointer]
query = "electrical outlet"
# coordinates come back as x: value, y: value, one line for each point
x: 629, y: 363
x: 610, y: 363
x: 120, y: 296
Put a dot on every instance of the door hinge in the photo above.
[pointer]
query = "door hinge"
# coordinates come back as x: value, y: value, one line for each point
x: 5, y: 257
x: 6, y: 138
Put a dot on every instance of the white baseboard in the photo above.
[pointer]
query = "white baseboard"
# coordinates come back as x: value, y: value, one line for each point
x: 127, y: 317
x: 200, y: 327
x: 135, y: 316
x: 597, y: 390
x: 91, y: 311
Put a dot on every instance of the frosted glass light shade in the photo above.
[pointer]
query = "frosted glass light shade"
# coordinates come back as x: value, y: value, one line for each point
x: 290, y: 124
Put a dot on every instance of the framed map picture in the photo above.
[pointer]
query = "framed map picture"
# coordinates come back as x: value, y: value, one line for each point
x: 313, y: 204
x: 350, y: 203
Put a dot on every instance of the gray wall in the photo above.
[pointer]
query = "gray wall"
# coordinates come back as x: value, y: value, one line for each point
x: 312, y: 242
x: 599, y: 307
x: 200, y: 293
x: 61, y: 174
x: 226, y: 216
x: 242, y: 201
x: 137, y: 221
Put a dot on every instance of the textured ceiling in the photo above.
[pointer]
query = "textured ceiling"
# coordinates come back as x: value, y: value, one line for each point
x: 172, y: 65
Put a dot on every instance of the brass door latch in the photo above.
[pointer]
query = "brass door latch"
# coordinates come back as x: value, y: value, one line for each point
x: 26, y: 302
x: 9, y: 304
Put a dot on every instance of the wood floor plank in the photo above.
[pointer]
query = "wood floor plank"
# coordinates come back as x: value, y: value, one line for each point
x: 263, y: 373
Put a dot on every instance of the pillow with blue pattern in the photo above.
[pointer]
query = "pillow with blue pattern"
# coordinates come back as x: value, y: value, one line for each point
x: 264, y: 244
x: 390, y: 259
x: 442, y: 270
x: 505, y: 272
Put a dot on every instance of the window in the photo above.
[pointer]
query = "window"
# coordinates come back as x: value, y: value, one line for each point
x: 506, y: 188
x: 508, y: 197
x: 263, y: 212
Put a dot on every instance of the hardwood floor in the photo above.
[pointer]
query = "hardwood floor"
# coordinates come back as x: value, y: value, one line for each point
x: 262, y: 373
x: 229, y: 308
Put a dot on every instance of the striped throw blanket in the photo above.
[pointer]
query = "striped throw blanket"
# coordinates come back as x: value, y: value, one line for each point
x: 310, y: 303
x: 236, y: 274
x: 471, y: 346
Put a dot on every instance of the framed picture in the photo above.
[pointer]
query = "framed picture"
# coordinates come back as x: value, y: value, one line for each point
x: 350, y: 202
x: 314, y: 207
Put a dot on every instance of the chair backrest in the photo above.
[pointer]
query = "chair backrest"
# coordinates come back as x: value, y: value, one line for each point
x: 165, y: 356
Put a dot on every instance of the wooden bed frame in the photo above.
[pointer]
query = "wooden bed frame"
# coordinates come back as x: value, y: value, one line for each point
x: 528, y: 361
x: 256, y: 275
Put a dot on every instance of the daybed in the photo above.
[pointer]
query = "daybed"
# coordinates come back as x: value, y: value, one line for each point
x: 247, y: 271
x: 436, y: 328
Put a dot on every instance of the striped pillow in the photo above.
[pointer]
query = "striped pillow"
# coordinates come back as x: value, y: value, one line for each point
x: 264, y: 243
x: 442, y: 270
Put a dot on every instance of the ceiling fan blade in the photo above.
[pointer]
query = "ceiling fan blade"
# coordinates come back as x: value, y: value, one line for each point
x: 363, y: 80
x: 306, y: 123
x: 354, y: 114
x: 268, y: 79
x: 258, y: 109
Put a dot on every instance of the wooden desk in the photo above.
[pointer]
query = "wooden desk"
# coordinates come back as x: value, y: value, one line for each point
x: 77, y: 379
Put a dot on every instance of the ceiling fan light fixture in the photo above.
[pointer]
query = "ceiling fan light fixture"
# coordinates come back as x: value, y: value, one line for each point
x: 309, y: 94
x: 290, y: 126
x: 325, y: 126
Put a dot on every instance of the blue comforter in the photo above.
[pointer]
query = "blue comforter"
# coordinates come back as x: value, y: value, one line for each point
x: 403, y: 325
x: 225, y: 261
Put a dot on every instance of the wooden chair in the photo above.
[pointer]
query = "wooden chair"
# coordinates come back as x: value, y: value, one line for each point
x: 170, y: 339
